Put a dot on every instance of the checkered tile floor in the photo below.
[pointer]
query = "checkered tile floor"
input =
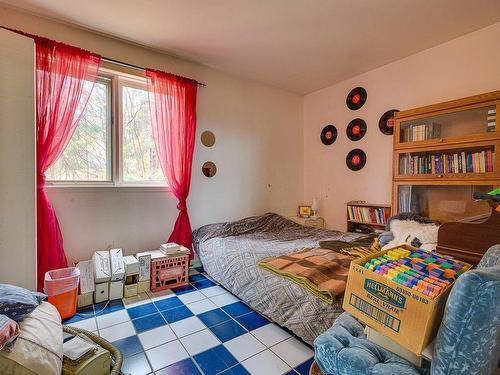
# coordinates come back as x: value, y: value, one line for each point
x: 197, y: 329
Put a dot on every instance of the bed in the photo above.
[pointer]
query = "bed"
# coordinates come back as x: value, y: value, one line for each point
x: 230, y: 252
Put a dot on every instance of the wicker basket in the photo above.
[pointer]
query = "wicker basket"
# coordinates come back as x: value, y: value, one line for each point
x: 116, y: 355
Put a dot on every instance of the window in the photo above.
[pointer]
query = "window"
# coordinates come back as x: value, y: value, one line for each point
x: 113, y: 143
x: 140, y: 161
x: 88, y: 154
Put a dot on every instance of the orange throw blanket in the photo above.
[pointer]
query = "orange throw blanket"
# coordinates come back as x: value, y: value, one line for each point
x: 322, y: 272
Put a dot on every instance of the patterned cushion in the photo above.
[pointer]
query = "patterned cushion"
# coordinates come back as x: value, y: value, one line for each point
x: 17, y: 302
x: 344, y: 350
x: 468, y: 341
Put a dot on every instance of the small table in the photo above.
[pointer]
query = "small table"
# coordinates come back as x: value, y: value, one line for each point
x: 315, y: 222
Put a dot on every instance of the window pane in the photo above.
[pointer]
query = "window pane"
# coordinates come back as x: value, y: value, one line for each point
x: 140, y: 161
x: 86, y: 157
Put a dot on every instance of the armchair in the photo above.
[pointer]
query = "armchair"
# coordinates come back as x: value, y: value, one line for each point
x: 468, y: 340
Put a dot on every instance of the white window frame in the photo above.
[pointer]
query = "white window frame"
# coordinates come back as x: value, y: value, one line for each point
x: 118, y: 79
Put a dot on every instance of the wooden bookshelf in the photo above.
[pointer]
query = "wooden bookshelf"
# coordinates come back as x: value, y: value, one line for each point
x: 443, y: 153
x: 366, y: 217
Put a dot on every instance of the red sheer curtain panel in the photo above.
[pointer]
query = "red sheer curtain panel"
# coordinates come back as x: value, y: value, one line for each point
x: 65, y: 77
x: 172, y: 104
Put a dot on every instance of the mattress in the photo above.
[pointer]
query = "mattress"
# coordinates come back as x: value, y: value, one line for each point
x: 230, y: 252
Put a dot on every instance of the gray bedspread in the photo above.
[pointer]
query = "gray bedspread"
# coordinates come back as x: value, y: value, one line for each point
x: 230, y: 252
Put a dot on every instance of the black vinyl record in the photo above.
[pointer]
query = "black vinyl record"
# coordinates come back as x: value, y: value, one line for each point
x: 328, y: 135
x: 356, y: 129
x: 356, y: 98
x: 356, y: 159
x: 386, y: 122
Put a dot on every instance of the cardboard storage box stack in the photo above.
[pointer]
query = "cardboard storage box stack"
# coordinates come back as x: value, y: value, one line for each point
x: 102, y: 275
x: 144, y: 260
x: 407, y: 316
x: 131, y: 276
x: 117, y: 273
x: 87, y: 285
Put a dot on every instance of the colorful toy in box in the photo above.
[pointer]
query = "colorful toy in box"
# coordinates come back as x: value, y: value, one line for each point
x: 426, y: 272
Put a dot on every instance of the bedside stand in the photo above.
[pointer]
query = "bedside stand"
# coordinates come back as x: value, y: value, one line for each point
x: 316, y: 222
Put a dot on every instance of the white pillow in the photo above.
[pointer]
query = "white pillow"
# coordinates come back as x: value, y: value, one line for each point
x: 405, y: 231
x: 39, y: 347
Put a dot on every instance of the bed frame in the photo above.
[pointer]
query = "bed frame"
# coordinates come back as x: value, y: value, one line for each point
x: 468, y: 241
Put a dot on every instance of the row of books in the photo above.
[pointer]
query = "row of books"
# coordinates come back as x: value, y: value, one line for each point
x: 492, y: 120
x: 409, y: 200
x: 456, y: 162
x: 420, y: 132
x: 367, y: 214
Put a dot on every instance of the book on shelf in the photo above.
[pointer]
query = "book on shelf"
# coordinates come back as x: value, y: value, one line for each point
x: 409, y: 200
x: 491, y: 120
x: 447, y: 162
x: 421, y: 132
x: 369, y: 215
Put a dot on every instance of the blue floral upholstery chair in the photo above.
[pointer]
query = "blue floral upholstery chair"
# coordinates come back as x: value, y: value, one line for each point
x: 468, y: 340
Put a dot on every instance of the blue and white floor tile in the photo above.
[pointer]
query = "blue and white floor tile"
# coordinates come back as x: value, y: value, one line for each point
x: 199, y: 329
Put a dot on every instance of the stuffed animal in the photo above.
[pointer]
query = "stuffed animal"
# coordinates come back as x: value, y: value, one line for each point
x: 410, y: 229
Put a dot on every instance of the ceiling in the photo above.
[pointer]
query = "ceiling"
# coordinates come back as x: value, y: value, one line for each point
x: 297, y: 45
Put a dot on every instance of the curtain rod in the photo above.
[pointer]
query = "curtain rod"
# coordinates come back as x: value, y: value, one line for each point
x: 137, y: 67
x: 102, y: 57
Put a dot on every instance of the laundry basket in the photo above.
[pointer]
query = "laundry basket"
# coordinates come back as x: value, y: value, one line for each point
x: 62, y: 288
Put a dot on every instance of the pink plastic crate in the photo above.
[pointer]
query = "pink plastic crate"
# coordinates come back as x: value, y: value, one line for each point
x: 169, y: 272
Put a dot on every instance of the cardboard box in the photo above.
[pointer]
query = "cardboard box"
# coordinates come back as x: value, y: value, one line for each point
x: 87, y: 285
x: 131, y: 279
x: 117, y: 266
x: 85, y: 299
x: 130, y: 290
x: 144, y: 260
x: 102, y: 268
x: 115, y: 290
x: 143, y: 286
x: 131, y: 265
x: 407, y: 317
x: 156, y: 254
x: 101, y: 293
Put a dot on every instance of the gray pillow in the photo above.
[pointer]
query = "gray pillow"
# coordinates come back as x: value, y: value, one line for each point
x: 17, y: 302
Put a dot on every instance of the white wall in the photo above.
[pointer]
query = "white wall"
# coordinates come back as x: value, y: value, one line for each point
x: 17, y: 161
x: 258, y: 152
x: 462, y: 67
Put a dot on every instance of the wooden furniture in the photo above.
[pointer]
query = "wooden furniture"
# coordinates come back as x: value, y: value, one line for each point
x: 443, y: 153
x: 469, y: 241
x: 367, y: 217
x: 315, y: 222
x: 314, y: 370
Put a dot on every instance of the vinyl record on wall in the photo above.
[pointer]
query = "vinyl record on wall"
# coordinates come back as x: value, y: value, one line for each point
x: 328, y: 135
x: 356, y: 98
x: 356, y: 159
x: 356, y: 129
x: 386, y: 122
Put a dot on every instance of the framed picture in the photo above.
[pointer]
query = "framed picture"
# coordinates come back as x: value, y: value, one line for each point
x: 305, y: 211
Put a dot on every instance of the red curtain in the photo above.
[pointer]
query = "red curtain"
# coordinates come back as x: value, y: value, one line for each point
x: 65, y: 77
x: 172, y: 103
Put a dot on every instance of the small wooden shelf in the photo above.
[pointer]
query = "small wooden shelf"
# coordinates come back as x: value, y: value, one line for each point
x: 357, y: 212
x: 366, y: 223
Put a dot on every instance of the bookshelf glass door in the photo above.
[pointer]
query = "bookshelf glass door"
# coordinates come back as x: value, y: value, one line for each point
x: 449, y: 125
x: 442, y: 202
